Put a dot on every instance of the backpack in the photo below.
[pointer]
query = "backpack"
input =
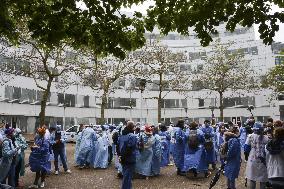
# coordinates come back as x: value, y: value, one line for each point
x: 208, y: 142
x: 125, y: 152
x: 193, y: 139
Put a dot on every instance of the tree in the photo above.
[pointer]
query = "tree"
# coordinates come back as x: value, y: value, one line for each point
x: 102, y: 76
x: 43, y: 65
x: 52, y: 21
x: 226, y: 70
x: 275, y: 77
x: 204, y: 16
x: 48, y: 27
x: 160, y: 66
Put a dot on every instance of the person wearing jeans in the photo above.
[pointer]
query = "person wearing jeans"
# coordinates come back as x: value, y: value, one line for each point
x: 57, y: 141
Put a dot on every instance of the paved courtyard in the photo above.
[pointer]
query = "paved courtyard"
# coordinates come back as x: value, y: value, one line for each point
x: 106, y: 178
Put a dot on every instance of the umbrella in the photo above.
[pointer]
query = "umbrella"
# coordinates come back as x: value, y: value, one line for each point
x: 216, y: 177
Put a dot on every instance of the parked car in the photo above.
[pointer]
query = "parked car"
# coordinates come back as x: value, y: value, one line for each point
x: 72, y: 133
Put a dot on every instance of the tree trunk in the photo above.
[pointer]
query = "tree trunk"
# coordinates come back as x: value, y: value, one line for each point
x: 43, y: 102
x: 103, y: 107
x: 160, y: 107
x: 221, y: 107
x: 160, y: 99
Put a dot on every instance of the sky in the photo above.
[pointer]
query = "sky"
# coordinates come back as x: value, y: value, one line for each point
x: 279, y: 37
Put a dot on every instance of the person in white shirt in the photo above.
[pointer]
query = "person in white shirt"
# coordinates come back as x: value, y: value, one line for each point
x: 275, y: 159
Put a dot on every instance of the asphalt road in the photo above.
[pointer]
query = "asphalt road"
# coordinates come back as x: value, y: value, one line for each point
x: 106, y: 178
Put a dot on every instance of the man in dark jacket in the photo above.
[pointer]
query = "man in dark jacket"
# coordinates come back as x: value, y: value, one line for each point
x: 57, y: 139
x: 127, y: 155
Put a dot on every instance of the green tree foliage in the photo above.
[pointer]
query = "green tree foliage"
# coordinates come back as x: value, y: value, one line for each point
x: 204, y: 15
x: 275, y: 77
x: 100, y: 25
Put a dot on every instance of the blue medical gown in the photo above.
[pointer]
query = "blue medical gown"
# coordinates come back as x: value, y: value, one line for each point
x: 85, y: 153
x: 210, y: 155
x: 165, y: 138
x: 232, y: 167
x: 243, y: 137
x: 192, y: 157
x: 145, y: 156
x: 39, y: 157
x: 178, y: 147
x: 101, y: 155
x: 78, y: 142
x: 157, y: 152
x: 8, y: 152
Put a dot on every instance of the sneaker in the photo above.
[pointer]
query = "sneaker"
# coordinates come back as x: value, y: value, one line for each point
x: 119, y: 175
x: 207, y: 174
x: 42, y: 185
x: 82, y: 167
x: 33, y: 186
x: 56, y: 172
x: 68, y: 171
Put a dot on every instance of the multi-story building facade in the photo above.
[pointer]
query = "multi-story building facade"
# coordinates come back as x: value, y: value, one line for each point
x: 20, y: 98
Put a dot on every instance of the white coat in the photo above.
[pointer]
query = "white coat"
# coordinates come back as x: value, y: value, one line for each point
x: 275, y: 164
x: 256, y: 169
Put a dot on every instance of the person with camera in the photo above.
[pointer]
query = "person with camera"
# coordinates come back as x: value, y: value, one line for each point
x: 8, y: 158
x: 127, y: 154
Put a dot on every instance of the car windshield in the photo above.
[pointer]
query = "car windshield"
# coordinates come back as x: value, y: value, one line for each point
x: 72, y: 129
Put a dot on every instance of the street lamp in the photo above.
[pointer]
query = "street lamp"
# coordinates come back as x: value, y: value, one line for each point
x: 185, y: 109
x: 212, y: 108
x: 142, y: 86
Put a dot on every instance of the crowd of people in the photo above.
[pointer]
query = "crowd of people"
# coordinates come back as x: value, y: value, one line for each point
x: 142, y: 150
x: 48, y: 146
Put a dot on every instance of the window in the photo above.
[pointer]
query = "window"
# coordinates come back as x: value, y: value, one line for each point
x: 200, y: 102
x: 121, y: 102
x: 69, y: 100
x: 73, y: 129
x: 9, y: 92
x: 281, y: 97
x: 254, y: 50
x: 228, y: 102
x: 17, y: 93
x: 86, y: 101
x: 184, y: 103
x: 60, y: 98
x: 171, y: 103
